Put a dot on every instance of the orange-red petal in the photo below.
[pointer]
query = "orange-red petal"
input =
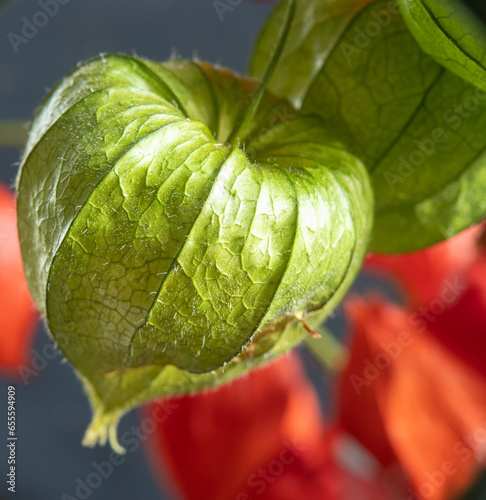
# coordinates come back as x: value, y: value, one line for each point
x: 430, y: 403
x: 17, y: 312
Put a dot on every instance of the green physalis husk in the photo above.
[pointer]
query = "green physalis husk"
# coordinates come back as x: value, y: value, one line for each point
x: 406, y: 95
x: 167, y: 255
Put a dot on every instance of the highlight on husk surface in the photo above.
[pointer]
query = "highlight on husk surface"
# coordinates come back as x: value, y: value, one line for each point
x: 180, y: 225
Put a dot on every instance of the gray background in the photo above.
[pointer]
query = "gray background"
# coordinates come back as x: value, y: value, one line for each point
x: 52, y: 411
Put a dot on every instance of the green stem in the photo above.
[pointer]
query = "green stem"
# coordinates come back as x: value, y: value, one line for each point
x: 330, y: 353
x: 13, y: 134
x: 250, y: 113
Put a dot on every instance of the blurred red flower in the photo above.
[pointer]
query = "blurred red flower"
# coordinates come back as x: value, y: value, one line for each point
x: 424, y: 275
x: 262, y: 436
x: 18, y: 315
x: 413, y: 394
x: 410, y: 400
x: 417, y: 375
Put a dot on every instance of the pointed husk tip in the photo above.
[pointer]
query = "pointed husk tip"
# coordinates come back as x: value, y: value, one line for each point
x: 103, y: 429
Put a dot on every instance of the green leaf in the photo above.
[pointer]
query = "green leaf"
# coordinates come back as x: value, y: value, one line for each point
x: 451, y: 33
x: 316, y: 29
x: 418, y: 127
x: 165, y: 260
